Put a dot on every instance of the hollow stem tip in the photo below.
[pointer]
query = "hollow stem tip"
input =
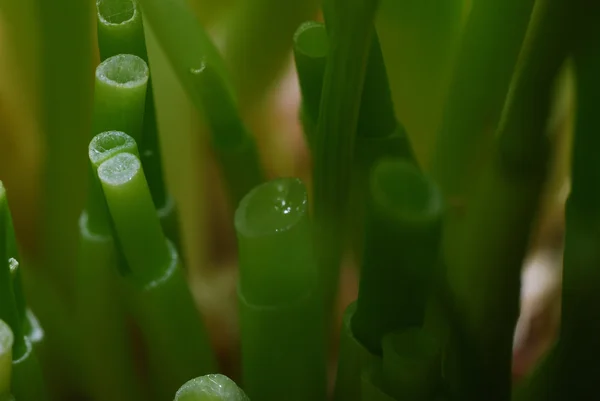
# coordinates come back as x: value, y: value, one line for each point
x: 274, y: 238
x: 120, y: 28
x: 108, y: 144
x: 120, y: 95
x: 411, y: 364
x: 135, y: 221
x: 6, y: 343
x: 213, y: 387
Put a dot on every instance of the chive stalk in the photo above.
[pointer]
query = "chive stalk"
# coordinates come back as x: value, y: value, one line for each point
x: 484, y: 265
x: 350, y: 38
x: 176, y: 343
x: 281, y: 321
x: 402, y: 237
x: 120, y: 95
x: 234, y: 146
x: 213, y: 387
x: 6, y: 344
x: 311, y: 47
x: 371, y: 384
x: 120, y: 28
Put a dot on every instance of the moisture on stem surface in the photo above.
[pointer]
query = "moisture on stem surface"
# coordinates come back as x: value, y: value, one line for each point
x: 281, y: 319
x: 136, y: 224
x: 401, y: 241
x: 6, y: 344
x: 120, y: 28
x: 213, y: 387
x: 120, y: 95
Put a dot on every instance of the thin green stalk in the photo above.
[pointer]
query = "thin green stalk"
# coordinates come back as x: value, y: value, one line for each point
x: 31, y: 326
x: 257, y: 44
x: 27, y: 380
x: 371, y: 384
x: 120, y: 95
x: 311, y: 47
x: 66, y: 68
x: 6, y: 344
x: 213, y: 387
x: 484, y: 263
x: 353, y: 360
x: 176, y: 344
x: 401, y: 242
x: 120, y: 28
x: 484, y: 66
x: 350, y: 38
x: 281, y: 320
x: 577, y: 370
x: 234, y: 146
x: 411, y: 368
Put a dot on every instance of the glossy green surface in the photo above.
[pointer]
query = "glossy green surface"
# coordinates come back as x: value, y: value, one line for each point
x: 213, y: 387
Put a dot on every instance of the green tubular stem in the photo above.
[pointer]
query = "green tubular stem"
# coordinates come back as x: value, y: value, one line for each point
x: 401, y: 242
x: 371, y: 383
x: 353, y: 360
x: 109, y: 368
x: 484, y: 65
x: 17, y: 285
x: 484, y: 262
x: 311, y: 46
x: 27, y: 380
x: 350, y: 38
x: 120, y: 28
x: 411, y: 364
x: 9, y: 311
x: 136, y: 224
x: 177, y: 344
x: 213, y: 387
x: 234, y: 146
x: 281, y: 320
x: 65, y: 67
x: 6, y: 344
x: 120, y: 95
x: 580, y: 329
x: 170, y: 223
x: 12, y: 252
x: 108, y: 144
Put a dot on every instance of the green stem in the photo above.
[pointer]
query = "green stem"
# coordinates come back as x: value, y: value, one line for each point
x: 311, y: 47
x: 350, y: 38
x: 402, y: 237
x: 233, y: 144
x: 120, y: 95
x: 484, y: 66
x: 6, y: 344
x: 484, y: 261
x: 371, y: 384
x: 214, y: 387
x: 27, y: 381
x: 120, y: 28
x: 110, y: 372
x: 283, y: 348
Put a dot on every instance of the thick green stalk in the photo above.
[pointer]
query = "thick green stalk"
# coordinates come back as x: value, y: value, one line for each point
x: 120, y: 28
x: 350, y: 38
x: 484, y: 263
x: 311, y: 47
x: 6, y: 344
x: 120, y: 95
x: 401, y: 242
x: 66, y: 68
x: 371, y: 383
x: 579, y: 341
x: 485, y: 63
x: 177, y: 344
x: 233, y: 144
x: 283, y: 346
x: 214, y: 387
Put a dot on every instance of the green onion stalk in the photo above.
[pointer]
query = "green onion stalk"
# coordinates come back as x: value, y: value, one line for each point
x: 110, y: 371
x: 213, y: 387
x: 176, y: 344
x: 351, y: 30
x: 203, y: 75
x: 27, y: 383
x: 281, y: 314
x: 6, y: 344
x: 121, y: 31
x: 576, y: 372
x: 401, y: 242
x: 484, y: 270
